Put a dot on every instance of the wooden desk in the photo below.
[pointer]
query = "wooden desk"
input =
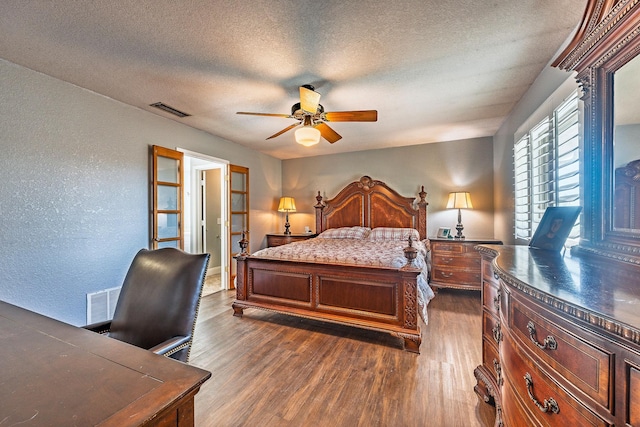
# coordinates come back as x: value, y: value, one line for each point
x: 57, y: 374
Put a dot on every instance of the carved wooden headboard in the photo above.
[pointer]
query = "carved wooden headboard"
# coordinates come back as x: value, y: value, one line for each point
x: 371, y: 203
x: 626, y: 208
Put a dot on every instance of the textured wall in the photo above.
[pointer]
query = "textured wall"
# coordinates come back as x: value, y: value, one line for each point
x: 74, y: 188
x: 465, y: 165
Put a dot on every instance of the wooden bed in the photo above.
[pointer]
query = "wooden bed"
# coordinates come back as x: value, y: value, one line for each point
x: 377, y: 298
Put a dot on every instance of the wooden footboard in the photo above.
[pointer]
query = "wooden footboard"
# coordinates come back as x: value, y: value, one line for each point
x: 381, y: 299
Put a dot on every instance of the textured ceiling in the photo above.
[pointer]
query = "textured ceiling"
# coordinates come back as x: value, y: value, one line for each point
x: 434, y: 70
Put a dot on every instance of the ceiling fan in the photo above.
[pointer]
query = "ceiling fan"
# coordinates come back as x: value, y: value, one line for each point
x: 311, y: 115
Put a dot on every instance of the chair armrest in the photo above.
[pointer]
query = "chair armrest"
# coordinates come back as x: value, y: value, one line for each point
x: 170, y: 344
x: 99, y: 327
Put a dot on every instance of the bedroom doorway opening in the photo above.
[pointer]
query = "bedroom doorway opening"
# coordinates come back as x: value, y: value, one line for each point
x: 205, y: 216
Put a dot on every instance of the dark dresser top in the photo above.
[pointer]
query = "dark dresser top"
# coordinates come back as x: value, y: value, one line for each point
x: 604, y: 293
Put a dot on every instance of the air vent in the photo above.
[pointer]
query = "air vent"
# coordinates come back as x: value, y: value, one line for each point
x: 102, y: 304
x: 168, y: 109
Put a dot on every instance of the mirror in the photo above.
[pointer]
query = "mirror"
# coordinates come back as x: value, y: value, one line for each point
x: 626, y: 146
x: 605, y: 54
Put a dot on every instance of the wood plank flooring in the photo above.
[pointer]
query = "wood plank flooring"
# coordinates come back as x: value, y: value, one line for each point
x: 275, y: 370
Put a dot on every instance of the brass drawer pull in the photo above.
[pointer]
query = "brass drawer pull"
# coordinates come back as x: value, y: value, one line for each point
x: 496, y: 300
x: 498, y: 369
x: 548, y: 343
x: 447, y: 260
x: 548, y: 404
x: 497, y: 333
x: 446, y: 275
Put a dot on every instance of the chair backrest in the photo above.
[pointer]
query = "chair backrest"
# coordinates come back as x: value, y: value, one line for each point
x: 160, y: 298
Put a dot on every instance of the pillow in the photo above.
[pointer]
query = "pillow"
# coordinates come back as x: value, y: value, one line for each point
x: 345, y: 233
x: 389, y: 233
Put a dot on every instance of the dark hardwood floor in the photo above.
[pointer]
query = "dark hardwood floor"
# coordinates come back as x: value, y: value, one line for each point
x: 275, y: 370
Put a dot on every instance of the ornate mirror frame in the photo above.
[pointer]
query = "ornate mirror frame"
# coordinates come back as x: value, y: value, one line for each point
x: 607, y: 38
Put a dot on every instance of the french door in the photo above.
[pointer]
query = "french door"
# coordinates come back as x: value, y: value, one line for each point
x: 238, y: 214
x: 168, y: 204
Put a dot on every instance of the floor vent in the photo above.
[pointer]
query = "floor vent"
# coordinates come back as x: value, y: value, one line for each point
x: 102, y: 304
x: 168, y: 109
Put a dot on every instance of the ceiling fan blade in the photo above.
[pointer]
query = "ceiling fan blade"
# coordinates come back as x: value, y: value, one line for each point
x: 266, y: 114
x: 309, y: 100
x: 328, y: 133
x: 352, y: 116
x: 288, y: 128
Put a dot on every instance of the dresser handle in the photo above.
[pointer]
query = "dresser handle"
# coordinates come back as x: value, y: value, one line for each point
x: 447, y: 260
x: 548, y: 343
x: 446, y: 275
x: 548, y: 404
x: 496, y: 300
x: 498, y: 369
x: 497, y: 333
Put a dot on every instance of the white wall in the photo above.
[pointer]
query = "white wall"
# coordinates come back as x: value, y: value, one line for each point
x: 465, y: 165
x: 74, y: 188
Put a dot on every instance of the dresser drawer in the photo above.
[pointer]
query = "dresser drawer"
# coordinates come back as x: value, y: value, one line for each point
x: 488, y: 273
x: 455, y: 276
x: 633, y: 399
x: 491, y: 329
x: 491, y: 360
x: 584, y: 365
x: 491, y: 297
x: 528, y: 386
x: 452, y: 260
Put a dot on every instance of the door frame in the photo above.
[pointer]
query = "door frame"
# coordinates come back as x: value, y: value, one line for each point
x: 194, y: 163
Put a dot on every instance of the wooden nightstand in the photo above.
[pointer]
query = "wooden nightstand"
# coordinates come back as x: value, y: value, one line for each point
x: 277, y: 239
x: 456, y: 264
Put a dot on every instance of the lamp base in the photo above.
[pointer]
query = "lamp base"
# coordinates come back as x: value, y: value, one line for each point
x: 287, y: 225
x: 459, y: 227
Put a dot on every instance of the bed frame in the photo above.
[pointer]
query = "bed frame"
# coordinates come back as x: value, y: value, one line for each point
x: 377, y: 298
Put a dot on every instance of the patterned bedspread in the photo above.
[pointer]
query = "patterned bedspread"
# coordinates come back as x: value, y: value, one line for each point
x: 365, y: 252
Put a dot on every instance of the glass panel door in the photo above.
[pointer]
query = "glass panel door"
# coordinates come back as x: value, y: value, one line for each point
x: 168, y: 205
x: 239, y: 214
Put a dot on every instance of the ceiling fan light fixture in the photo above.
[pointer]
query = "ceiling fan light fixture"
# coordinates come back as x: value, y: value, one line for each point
x: 307, y: 136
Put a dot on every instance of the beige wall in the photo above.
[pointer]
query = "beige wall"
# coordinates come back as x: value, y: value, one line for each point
x: 441, y: 167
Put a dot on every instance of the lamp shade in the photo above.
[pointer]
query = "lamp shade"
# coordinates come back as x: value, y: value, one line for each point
x: 307, y: 136
x: 287, y: 204
x: 459, y: 200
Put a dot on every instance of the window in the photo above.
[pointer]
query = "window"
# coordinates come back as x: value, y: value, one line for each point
x: 547, y: 168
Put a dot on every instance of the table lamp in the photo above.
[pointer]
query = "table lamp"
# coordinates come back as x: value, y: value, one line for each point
x: 287, y: 204
x: 459, y: 200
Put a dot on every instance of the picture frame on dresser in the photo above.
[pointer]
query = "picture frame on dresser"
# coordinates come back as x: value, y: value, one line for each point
x: 554, y: 228
x: 444, y: 233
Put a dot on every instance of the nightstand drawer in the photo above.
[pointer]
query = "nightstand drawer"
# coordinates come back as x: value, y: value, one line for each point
x: 444, y: 259
x: 461, y: 277
x: 283, y: 239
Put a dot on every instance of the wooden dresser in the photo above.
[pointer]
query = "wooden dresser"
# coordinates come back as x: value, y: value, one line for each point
x: 456, y: 264
x: 561, y: 339
x: 278, y: 239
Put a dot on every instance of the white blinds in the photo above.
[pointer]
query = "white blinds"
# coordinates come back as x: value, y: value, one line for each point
x: 522, y: 177
x: 547, y: 167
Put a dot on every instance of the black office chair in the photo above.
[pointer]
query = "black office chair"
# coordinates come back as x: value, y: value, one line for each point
x: 158, y: 303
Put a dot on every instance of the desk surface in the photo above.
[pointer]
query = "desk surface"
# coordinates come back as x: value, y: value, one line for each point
x: 57, y: 374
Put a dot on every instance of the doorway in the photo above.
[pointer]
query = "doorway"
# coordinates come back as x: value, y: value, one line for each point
x: 205, y: 215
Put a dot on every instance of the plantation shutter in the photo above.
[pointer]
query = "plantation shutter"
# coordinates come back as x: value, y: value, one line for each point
x: 522, y: 179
